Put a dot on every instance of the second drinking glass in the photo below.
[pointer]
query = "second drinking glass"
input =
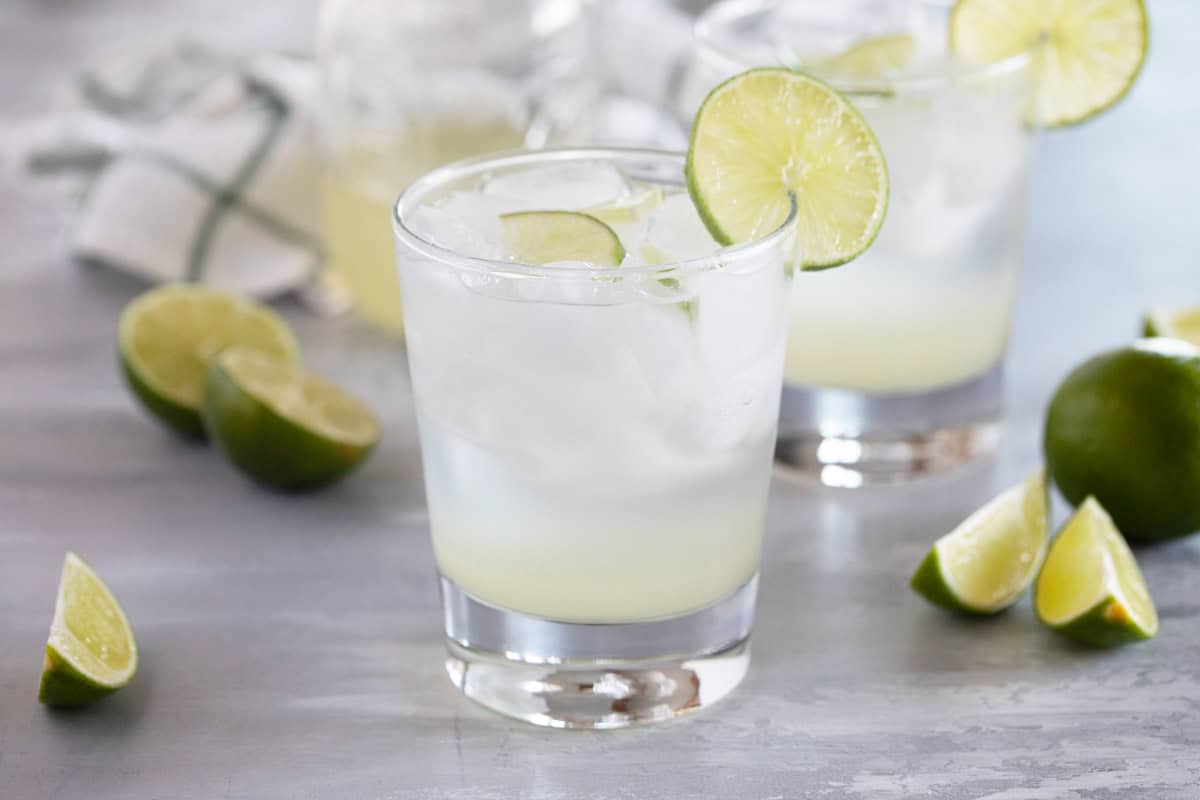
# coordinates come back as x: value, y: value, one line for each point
x: 894, y: 365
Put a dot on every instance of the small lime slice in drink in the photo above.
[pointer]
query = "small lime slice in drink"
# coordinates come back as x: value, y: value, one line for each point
x: 91, y: 651
x: 1086, y: 53
x: 630, y: 210
x: 283, y: 426
x: 871, y: 57
x: 985, y: 564
x: 545, y: 237
x: 1091, y: 589
x: 1179, y: 323
x: 769, y: 135
x: 167, y: 337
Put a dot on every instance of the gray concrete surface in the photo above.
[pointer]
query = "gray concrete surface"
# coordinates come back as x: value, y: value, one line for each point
x: 290, y: 646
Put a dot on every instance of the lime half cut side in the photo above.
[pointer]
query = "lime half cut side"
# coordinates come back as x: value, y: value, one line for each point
x: 1086, y: 54
x: 985, y: 564
x: 283, y: 426
x: 1179, y: 323
x: 1091, y: 589
x: 545, y: 237
x: 769, y: 135
x: 91, y: 651
x: 168, y: 335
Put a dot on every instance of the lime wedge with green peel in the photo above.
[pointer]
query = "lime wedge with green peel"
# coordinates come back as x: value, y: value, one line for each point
x: 91, y: 652
x: 871, y: 57
x: 167, y: 337
x: 1091, y: 589
x: 1086, y: 54
x: 630, y: 210
x: 767, y: 136
x: 544, y: 237
x: 985, y: 564
x: 1180, y: 323
x: 283, y: 426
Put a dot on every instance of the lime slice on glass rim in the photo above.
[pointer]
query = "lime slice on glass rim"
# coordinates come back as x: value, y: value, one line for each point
x: 769, y: 137
x: 985, y: 564
x: 1086, y: 53
x: 1091, y: 589
x: 545, y: 237
x: 283, y: 426
x: 870, y: 57
x: 91, y: 651
x: 1179, y: 323
x: 168, y: 335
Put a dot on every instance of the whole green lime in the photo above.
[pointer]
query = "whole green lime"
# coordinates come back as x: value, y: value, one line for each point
x: 1124, y: 427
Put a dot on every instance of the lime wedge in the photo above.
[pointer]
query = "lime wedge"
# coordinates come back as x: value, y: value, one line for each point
x: 631, y: 210
x: 985, y: 564
x: 543, y: 237
x: 91, y: 652
x: 168, y: 335
x: 769, y: 135
x: 283, y: 426
x: 1091, y: 589
x: 1180, y: 323
x: 1086, y: 53
x: 870, y: 57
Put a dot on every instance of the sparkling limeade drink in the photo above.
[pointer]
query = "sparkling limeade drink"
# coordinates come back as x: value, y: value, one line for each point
x: 929, y: 305
x: 894, y: 361
x: 596, y: 446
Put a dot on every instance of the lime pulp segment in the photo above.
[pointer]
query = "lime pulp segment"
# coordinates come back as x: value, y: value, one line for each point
x: 874, y: 56
x: 771, y: 137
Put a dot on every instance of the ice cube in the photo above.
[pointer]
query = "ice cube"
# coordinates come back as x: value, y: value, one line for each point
x: 675, y: 229
x: 560, y: 187
x: 466, y: 222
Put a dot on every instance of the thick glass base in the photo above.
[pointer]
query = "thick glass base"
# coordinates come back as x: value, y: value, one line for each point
x: 846, y: 438
x: 596, y: 675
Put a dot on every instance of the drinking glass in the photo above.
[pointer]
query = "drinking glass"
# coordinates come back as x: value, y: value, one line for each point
x: 597, y: 446
x: 895, y: 361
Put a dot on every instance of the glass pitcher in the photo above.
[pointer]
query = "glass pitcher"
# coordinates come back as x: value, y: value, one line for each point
x: 409, y: 85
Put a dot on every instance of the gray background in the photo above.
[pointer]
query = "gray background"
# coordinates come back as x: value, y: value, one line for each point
x: 290, y: 646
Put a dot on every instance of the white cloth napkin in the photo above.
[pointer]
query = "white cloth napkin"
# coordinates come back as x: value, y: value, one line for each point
x: 203, y: 168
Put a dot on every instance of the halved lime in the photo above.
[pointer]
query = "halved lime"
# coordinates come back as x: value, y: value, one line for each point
x: 281, y: 425
x: 1179, y: 323
x: 630, y: 210
x: 544, y: 237
x: 1086, y: 53
x: 167, y: 336
x: 985, y: 564
x: 91, y: 652
x: 769, y: 135
x: 1091, y: 589
x: 870, y: 57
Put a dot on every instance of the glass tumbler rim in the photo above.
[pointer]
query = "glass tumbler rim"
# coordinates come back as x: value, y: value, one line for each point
x: 413, y: 196
x: 721, y: 13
